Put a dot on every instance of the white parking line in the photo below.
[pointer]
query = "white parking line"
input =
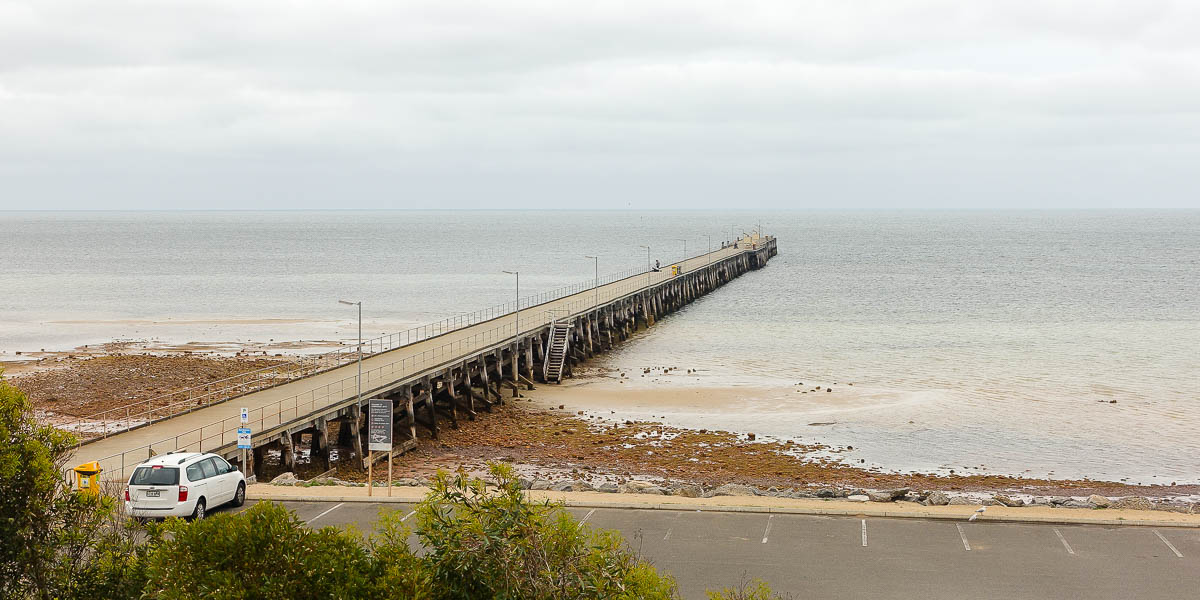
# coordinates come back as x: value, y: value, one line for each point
x: 864, y: 531
x: 405, y: 517
x: 1064, y: 541
x: 962, y: 534
x: 587, y: 516
x: 1169, y: 544
x: 768, y: 530
x: 668, y: 536
x: 325, y: 513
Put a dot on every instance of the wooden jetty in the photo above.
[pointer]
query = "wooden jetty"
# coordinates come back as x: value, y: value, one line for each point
x: 436, y: 382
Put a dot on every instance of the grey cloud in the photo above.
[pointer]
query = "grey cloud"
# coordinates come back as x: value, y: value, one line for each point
x: 812, y: 104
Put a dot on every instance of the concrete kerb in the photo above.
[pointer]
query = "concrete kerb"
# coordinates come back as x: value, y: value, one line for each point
x: 411, y: 495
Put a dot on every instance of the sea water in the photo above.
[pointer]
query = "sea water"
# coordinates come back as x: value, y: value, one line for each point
x: 984, y: 342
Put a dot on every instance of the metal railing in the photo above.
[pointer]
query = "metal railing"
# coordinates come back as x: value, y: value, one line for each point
x: 224, y: 432
x: 170, y: 404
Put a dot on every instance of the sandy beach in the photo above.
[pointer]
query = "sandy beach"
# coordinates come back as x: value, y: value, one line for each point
x: 583, y: 428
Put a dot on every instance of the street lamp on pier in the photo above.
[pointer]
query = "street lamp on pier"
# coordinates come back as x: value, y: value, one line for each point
x: 360, y: 349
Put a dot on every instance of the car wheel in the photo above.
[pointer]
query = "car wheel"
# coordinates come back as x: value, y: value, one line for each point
x: 239, y: 497
x: 198, y: 512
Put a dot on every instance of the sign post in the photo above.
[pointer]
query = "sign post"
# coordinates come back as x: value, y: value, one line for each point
x: 379, y: 430
x: 244, y: 444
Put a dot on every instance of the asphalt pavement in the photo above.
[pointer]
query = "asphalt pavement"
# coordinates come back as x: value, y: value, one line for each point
x: 848, y: 557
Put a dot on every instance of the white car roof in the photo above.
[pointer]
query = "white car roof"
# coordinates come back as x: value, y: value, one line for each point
x: 174, y: 458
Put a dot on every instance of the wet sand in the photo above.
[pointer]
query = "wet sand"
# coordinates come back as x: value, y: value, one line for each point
x: 578, y: 429
x: 546, y: 442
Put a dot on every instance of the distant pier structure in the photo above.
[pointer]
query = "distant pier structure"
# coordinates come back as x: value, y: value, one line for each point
x: 434, y: 376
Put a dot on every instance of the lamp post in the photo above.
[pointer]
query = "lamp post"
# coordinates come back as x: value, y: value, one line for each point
x: 517, y: 318
x: 358, y: 382
x: 596, y: 281
x: 647, y: 256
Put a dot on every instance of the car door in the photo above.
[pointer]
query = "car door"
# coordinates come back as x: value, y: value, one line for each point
x: 195, y: 482
x: 227, y: 477
x: 212, y: 488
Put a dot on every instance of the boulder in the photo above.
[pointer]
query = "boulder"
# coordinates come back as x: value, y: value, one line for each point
x: 962, y: 501
x: 288, y: 478
x: 1098, y: 501
x: 887, y: 495
x: 687, y: 490
x: 1059, y: 500
x: 830, y: 493
x: 540, y: 484
x: 524, y: 483
x: 636, y: 485
x: 937, y: 498
x: 992, y: 502
x: 608, y: 488
x: 571, y: 486
x: 1133, y: 502
x: 735, y: 489
x: 653, y: 490
x: 1008, y: 501
x: 801, y: 494
x: 1073, y: 503
x: 409, y: 481
x: 858, y: 498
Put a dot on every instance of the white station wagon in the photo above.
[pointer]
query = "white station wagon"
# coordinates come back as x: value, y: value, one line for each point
x: 183, y: 484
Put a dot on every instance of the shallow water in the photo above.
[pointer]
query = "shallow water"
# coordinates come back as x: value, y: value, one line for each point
x: 994, y: 341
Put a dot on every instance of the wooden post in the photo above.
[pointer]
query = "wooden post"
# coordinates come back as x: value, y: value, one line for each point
x: 320, y: 442
x: 514, y: 353
x: 356, y: 419
x: 433, y: 426
x: 412, y: 417
x: 529, y: 362
x: 287, y: 454
x: 448, y: 382
x: 483, y: 373
x: 470, y: 398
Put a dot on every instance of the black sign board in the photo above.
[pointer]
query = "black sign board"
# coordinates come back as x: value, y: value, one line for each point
x: 379, y: 424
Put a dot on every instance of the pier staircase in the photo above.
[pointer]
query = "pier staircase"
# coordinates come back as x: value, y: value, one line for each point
x: 556, y: 355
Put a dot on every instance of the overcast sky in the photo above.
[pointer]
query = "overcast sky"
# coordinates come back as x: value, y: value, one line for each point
x: 770, y: 104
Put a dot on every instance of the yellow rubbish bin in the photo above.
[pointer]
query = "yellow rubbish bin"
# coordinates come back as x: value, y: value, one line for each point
x: 87, y: 478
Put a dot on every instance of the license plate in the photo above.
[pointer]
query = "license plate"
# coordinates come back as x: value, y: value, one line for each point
x: 151, y: 493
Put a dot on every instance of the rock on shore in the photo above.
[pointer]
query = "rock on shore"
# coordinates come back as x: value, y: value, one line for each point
x: 734, y: 489
x: 937, y: 498
x: 887, y: 495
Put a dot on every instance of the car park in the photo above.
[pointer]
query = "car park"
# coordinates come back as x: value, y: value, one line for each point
x: 183, y: 484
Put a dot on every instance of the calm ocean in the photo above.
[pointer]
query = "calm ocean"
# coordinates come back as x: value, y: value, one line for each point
x: 986, y: 341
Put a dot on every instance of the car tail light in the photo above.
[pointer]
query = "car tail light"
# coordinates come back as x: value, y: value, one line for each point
x: 183, y: 493
x: 127, y: 494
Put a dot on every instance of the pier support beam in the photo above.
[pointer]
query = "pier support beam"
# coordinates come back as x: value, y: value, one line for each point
x: 287, y: 452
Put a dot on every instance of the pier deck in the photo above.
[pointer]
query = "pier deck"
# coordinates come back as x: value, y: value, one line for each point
x: 442, y: 378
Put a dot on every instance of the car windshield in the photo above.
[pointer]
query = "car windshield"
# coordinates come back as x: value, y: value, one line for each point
x: 155, y: 476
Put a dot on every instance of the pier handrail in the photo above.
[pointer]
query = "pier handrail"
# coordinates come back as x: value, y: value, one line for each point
x: 223, y: 432
x: 190, y: 398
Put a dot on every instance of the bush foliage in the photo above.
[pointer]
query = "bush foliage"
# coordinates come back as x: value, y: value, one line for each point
x: 476, y: 541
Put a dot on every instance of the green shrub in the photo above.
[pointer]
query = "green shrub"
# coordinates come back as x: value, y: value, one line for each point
x: 478, y: 543
x: 47, y: 532
x: 497, y: 544
x: 264, y: 552
x: 756, y: 589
